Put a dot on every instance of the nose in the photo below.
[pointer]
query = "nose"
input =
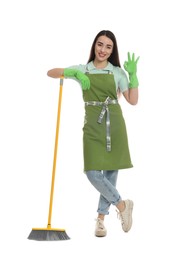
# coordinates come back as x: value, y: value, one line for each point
x: 102, y: 48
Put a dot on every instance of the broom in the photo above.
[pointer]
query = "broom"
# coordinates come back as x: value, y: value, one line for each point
x: 49, y: 233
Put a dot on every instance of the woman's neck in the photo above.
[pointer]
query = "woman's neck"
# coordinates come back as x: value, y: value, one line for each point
x: 100, y: 65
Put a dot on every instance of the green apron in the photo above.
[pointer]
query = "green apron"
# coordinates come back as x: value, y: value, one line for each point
x: 97, y: 156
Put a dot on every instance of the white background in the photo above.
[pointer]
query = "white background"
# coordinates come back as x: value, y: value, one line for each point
x: 37, y: 36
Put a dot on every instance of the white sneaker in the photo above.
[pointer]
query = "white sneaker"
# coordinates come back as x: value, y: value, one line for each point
x: 100, y: 230
x: 126, y: 215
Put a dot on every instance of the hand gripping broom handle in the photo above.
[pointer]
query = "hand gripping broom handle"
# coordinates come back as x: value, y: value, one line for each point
x: 55, y: 153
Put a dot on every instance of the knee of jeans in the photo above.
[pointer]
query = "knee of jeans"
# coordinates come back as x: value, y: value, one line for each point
x: 94, y: 175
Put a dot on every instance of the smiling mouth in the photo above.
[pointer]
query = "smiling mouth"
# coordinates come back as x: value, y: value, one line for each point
x: 102, y: 55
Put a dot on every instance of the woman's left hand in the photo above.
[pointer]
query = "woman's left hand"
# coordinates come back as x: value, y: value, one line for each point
x: 131, y: 65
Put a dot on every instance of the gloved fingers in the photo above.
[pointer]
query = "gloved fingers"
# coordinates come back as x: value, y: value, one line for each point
x: 133, y: 58
x: 129, y: 57
x: 86, y: 85
x: 137, y: 59
x: 125, y: 65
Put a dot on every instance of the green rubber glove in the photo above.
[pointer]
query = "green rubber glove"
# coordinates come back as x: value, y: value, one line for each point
x: 131, y: 67
x: 73, y: 73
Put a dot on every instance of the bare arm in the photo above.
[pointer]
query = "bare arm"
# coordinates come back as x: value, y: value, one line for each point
x: 131, y: 95
x: 55, y: 73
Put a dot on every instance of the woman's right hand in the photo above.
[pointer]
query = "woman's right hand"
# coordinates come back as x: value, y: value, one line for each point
x: 73, y: 73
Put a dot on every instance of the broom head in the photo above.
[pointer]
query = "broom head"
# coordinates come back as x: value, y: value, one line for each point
x: 48, y: 234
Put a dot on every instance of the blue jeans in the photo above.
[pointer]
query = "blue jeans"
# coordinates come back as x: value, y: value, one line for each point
x: 105, y: 183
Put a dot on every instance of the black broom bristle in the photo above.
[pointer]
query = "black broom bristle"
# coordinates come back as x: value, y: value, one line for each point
x: 48, y: 235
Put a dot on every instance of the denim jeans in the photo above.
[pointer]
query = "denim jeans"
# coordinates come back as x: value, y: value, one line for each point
x: 105, y: 183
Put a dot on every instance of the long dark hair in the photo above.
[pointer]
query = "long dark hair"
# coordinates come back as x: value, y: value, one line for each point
x: 114, y: 58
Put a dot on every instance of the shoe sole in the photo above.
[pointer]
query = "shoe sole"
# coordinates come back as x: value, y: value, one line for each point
x: 131, y: 204
x: 100, y: 234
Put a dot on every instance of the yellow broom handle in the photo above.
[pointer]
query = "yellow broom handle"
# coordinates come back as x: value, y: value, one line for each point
x: 55, y: 153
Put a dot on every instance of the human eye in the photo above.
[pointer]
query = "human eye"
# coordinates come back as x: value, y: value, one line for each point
x: 99, y: 43
x: 109, y: 47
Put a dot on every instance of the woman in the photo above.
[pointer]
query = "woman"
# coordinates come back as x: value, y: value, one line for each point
x: 104, y: 134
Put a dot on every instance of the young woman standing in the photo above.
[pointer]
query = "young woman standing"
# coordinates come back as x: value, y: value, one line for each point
x: 105, y: 139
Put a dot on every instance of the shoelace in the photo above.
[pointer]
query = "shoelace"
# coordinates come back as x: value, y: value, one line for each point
x: 100, y: 223
x: 120, y: 216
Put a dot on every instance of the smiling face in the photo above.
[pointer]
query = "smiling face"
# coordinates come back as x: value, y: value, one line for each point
x: 103, y: 50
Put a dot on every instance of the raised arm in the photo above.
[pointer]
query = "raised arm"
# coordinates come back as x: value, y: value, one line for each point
x: 131, y: 95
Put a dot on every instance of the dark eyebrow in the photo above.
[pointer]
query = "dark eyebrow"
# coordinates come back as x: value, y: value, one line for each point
x: 109, y: 45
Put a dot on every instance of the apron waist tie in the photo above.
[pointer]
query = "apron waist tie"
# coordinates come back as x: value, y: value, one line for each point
x: 105, y: 109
